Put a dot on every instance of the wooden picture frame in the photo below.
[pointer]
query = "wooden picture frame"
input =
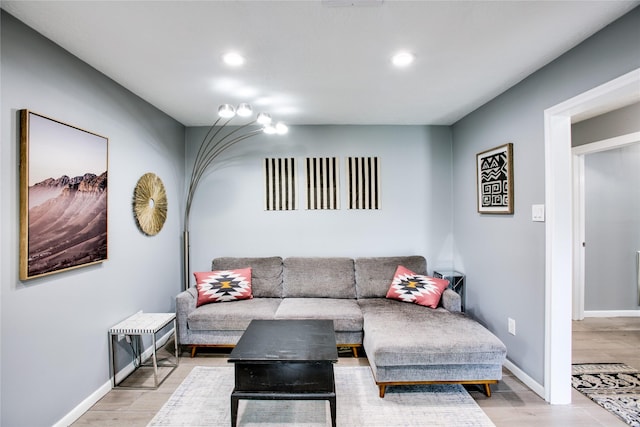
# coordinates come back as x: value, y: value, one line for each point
x: 494, y: 175
x: 63, y: 196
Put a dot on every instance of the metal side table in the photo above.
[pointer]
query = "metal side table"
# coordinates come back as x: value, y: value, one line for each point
x: 456, y: 282
x: 135, y: 327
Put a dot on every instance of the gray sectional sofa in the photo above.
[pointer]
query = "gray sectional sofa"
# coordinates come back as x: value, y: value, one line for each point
x: 405, y: 343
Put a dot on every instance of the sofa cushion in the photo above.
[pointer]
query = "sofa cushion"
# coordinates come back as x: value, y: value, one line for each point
x: 345, y: 313
x: 408, y: 286
x: 319, y: 278
x: 398, y: 334
x: 374, y: 274
x: 232, y: 317
x: 223, y: 285
x: 266, y: 273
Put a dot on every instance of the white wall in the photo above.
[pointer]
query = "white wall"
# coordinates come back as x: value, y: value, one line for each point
x: 228, y: 216
x: 504, y: 256
x: 54, y: 350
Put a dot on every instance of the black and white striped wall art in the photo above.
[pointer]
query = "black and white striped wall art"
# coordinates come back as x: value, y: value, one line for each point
x: 280, y: 184
x: 322, y: 183
x: 363, y: 182
x: 322, y: 175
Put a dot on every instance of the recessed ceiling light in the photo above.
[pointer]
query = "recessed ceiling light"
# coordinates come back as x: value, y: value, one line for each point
x: 402, y: 59
x: 233, y: 58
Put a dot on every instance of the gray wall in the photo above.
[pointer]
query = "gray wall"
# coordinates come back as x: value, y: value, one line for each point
x: 612, y: 230
x: 615, y: 123
x: 54, y: 329
x: 228, y: 216
x: 504, y: 256
x: 612, y: 201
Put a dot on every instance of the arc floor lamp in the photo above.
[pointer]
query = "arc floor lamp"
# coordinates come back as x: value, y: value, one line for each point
x: 220, y: 137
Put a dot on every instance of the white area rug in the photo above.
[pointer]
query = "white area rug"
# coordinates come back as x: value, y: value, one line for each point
x: 203, y: 399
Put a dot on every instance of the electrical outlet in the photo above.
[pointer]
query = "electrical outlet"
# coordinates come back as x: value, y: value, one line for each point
x: 512, y: 326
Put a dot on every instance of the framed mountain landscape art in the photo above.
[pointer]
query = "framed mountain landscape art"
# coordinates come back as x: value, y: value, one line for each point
x: 63, y: 196
x: 494, y: 170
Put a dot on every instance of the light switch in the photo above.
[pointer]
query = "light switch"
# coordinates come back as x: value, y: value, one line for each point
x: 537, y: 213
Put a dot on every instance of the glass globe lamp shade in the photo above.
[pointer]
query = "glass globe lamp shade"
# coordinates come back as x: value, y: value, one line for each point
x: 244, y: 110
x: 281, y: 128
x: 226, y: 111
x: 264, y: 119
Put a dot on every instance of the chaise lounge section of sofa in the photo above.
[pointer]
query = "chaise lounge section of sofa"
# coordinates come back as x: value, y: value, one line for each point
x: 405, y: 343
x: 411, y: 344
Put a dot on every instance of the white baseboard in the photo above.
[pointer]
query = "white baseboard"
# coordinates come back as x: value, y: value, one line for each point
x: 526, y: 379
x: 84, y: 406
x: 539, y: 388
x: 94, y: 397
x: 612, y: 313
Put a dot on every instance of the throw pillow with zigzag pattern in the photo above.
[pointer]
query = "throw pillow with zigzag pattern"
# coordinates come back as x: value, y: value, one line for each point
x: 223, y: 285
x: 408, y: 286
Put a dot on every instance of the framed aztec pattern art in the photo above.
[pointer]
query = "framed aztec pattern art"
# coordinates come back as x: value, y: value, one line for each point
x: 494, y: 170
x: 63, y: 196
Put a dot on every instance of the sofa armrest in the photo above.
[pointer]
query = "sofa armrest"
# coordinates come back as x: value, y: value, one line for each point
x: 185, y: 304
x: 451, y: 301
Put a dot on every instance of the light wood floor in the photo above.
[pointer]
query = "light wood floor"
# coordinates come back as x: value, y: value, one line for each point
x: 511, y: 404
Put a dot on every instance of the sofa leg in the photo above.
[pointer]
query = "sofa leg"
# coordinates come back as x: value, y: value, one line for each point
x: 194, y: 348
x: 382, y: 388
x: 354, y: 349
x: 487, y: 389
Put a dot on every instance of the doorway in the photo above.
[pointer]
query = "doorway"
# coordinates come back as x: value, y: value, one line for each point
x: 617, y: 93
x: 608, y: 147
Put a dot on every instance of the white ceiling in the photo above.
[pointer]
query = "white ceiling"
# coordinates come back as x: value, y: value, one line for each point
x: 319, y: 62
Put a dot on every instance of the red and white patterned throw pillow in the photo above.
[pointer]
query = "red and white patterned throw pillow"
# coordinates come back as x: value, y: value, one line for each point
x: 223, y: 285
x: 408, y: 286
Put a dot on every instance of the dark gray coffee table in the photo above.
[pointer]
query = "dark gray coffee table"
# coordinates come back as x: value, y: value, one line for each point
x: 285, y: 360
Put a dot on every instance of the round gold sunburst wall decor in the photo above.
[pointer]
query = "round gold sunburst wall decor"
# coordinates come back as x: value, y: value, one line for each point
x: 150, y: 204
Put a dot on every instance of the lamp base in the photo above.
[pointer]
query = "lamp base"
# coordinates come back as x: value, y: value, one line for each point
x: 185, y: 260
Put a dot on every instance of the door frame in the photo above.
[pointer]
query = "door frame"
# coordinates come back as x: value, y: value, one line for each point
x: 578, y: 154
x: 616, y: 93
